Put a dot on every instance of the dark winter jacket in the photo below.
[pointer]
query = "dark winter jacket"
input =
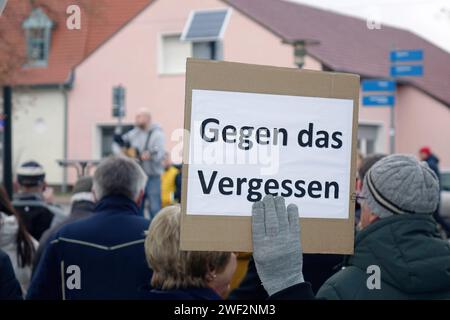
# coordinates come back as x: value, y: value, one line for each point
x: 100, y: 257
x: 179, y: 294
x: 414, y: 263
x: 433, y: 163
x: 317, y: 268
x: 79, y: 210
x: 301, y: 291
x: 36, y: 214
x: 9, y: 286
x: 178, y: 183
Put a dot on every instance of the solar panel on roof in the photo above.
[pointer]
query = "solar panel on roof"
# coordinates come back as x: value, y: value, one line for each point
x: 205, y: 25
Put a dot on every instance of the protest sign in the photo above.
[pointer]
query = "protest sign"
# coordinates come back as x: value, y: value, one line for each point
x: 256, y: 130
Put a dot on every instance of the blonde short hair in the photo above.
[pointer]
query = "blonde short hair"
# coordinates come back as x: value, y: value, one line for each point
x: 173, y: 268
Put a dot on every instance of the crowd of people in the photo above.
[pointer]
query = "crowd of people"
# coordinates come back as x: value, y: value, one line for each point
x: 107, y: 248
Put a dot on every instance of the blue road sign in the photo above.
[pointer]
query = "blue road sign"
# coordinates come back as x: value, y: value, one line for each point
x: 378, y: 85
x: 406, y: 55
x: 403, y: 70
x: 379, y: 100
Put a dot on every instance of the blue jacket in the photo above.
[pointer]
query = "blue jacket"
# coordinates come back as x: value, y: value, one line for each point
x: 100, y: 257
x: 433, y: 163
x: 9, y: 286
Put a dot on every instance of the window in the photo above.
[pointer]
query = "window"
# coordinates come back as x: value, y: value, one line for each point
x: 38, y: 32
x: 173, y: 54
x: 204, y: 50
x: 37, y: 45
x: 200, y: 39
x: 107, y: 136
x: 368, y: 139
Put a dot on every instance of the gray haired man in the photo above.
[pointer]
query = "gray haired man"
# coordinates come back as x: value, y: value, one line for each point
x: 100, y: 257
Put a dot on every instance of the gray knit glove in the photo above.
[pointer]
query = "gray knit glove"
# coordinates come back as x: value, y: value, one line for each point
x: 276, y: 244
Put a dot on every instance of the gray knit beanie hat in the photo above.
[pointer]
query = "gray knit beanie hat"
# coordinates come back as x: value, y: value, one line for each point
x: 401, y: 184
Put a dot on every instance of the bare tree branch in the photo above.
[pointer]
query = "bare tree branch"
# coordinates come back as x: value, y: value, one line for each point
x: 12, y: 38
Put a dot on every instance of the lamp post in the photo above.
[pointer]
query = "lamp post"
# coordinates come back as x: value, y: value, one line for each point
x: 7, y: 145
x: 299, y: 53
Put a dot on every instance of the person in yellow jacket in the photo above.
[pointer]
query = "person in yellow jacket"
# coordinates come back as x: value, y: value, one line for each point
x: 168, y: 182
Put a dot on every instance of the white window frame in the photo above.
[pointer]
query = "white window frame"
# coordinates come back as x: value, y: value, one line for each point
x: 97, y: 136
x: 380, y: 138
x: 160, y: 56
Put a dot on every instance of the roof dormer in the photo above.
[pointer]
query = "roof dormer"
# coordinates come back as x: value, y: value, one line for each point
x: 38, y: 28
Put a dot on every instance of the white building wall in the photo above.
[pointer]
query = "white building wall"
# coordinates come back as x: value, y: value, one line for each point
x: 38, y: 129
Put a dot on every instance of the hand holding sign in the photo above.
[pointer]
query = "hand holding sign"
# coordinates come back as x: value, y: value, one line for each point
x: 276, y: 244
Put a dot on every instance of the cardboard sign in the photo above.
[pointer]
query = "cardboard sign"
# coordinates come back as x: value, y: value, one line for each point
x: 257, y: 130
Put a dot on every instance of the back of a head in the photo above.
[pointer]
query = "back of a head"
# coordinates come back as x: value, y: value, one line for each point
x: 82, y: 190
x: 118, y: 176
x: 83, y: 184
x: 401, y: 184
x: 171, y: 267
x: 30, y: 174
x: 368, y: 162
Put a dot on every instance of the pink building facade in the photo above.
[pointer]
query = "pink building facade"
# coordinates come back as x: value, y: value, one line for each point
x: 136, y: 57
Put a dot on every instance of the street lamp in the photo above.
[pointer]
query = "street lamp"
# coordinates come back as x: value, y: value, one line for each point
x: 299, y: 53
x: 7, y: 140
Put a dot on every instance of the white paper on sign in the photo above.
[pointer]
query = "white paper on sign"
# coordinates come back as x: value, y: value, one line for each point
x: 253, y: 144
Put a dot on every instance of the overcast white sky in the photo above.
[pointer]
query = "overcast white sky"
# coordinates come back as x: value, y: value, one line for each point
x: 427, y: 18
